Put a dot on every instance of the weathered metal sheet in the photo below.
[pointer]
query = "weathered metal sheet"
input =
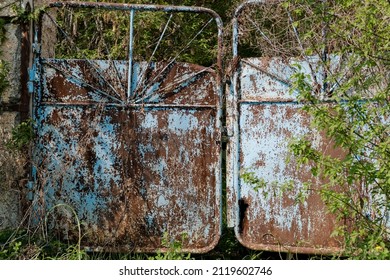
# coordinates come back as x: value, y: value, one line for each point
x: 267, y: 117
x: 131, y: 173
x: 133, y: 168
x: 263, y: 117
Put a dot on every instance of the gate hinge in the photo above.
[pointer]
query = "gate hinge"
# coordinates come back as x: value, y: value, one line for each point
x: 30, y: 83
x: 30, y: 187
x: 36, y: 48
x: 225, y: 135
x: 31, y: 79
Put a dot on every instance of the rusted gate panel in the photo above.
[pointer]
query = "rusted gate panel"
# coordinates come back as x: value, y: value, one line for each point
x: 132, y: 167
x: 264, y: 118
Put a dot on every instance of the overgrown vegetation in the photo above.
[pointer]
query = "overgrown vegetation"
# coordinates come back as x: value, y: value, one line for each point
x: 13, y: 149
x: 357, y: 34
x: 158, y: 36
x: 346, y: 92
x: 21, y: 245
x: 21, y: 135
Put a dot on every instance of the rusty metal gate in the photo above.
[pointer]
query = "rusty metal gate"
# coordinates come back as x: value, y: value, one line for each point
x: 132, y: 148
x: 263, y: 117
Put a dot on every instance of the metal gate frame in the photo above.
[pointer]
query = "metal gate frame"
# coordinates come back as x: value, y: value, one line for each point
x: 263, y: 222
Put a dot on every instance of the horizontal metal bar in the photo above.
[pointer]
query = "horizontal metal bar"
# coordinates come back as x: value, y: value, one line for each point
x: 294, y: 101
x: 136, y: 7
x: 267, y: 101
x: 168, y: 106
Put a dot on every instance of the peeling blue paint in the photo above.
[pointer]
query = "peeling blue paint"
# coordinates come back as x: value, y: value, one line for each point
x: 162, y: 201
x: 180, y: 123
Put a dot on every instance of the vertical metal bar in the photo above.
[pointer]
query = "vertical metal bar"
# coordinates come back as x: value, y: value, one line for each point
x: 235, y: 38
x: 324, y: 57
x: 220, y: 74
x: 234, y: 119
x: 236, y: 139
x: 130, y: 69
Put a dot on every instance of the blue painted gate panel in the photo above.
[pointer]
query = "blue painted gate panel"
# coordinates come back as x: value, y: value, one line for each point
x: 131, y: 174
x: 268, y: 117
x: 133, y: 164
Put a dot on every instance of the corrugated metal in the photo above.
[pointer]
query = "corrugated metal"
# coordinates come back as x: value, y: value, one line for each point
x: 133, y: 168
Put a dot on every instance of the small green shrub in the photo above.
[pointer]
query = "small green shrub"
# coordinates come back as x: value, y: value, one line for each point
x: 21, y: 135
x: 346, y: 94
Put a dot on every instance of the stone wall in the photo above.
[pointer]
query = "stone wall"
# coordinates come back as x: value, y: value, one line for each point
x: 6, y: 7
x: 12, y: 164
x: 11, y: 173
x: 14, y: 108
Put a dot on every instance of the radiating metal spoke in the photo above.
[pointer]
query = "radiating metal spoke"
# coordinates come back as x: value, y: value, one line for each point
x: 81, y: 82
x: 174, y: 85
x: 118, y: 78
x: 177, y: 55
x: 67, y: 37
x: 151, y: 57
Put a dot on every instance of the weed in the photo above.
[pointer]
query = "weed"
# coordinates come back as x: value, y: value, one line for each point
x: 174, y: 249
x: 73, y: 251
x: 21, y: 135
